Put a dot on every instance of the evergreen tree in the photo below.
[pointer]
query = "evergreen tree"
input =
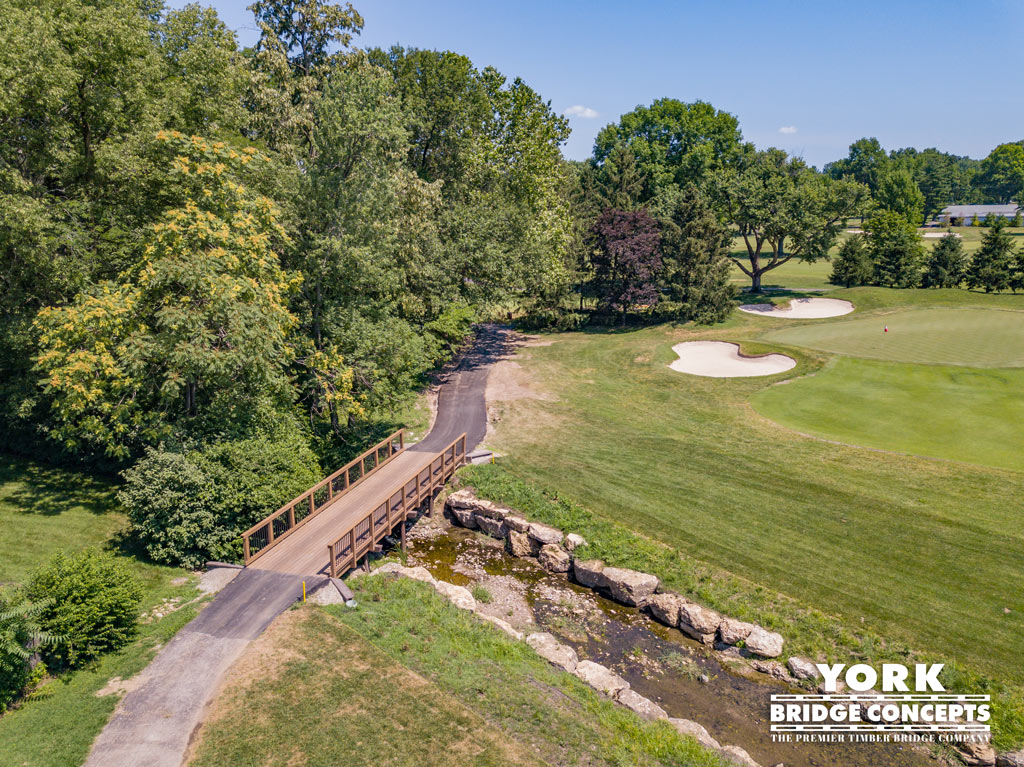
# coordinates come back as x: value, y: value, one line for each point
x: 853, y: 266
x: 946, y: 265
x: 992, y: 266
x: 695, y: 249
x: 896, y: 250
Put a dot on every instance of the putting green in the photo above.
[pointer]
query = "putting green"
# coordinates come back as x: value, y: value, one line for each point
x: 988, y: 338
x: 962, y: 414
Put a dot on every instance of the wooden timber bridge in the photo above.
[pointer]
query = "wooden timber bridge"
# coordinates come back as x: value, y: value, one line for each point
x: 344, y: 517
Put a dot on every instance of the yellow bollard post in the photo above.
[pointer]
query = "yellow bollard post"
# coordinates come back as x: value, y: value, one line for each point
x: 303, y: 592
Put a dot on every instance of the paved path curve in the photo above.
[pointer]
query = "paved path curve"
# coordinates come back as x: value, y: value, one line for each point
x: 154, y: 723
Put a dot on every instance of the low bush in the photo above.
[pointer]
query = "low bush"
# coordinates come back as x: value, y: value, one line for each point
x: 20, y: 636
x: 187, y: 507
x: 90, y: 600
x: 552, y: 319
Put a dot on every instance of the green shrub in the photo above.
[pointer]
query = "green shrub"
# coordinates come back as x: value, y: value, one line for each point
x: 20, y: 635
x: 552, y: 319
x: 91, y: 600
x: 187, y: 507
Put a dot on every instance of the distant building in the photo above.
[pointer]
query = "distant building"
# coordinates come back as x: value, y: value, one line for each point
x: 966, y: 213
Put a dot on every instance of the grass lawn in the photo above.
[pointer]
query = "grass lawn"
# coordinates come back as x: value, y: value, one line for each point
x: 962, y: 414
x: 918, y: 551
x: 44, y: 510
x: 407, y: 679
x: 971, y: 337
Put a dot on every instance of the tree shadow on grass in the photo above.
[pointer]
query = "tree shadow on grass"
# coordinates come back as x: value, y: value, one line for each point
x: 33, y: 488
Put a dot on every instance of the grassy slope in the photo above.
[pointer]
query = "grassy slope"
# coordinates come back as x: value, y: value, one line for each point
x: 909, y: 408
x: 44, y: 510
x: 415, y: 682
x: 889, y: 542
x: 947, y: 336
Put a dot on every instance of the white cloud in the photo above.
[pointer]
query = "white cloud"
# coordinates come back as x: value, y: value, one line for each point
x: 787, y: 129
x: 578, y: 110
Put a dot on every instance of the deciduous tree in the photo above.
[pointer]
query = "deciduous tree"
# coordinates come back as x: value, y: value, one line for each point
x: 627, y: 259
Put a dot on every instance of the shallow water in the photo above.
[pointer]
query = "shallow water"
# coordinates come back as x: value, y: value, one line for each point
x: 684, y: 677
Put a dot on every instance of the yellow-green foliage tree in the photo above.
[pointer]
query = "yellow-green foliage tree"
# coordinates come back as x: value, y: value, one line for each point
x: 197, y: 338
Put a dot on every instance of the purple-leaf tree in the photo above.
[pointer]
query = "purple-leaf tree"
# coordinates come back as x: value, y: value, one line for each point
x: 627, y: 259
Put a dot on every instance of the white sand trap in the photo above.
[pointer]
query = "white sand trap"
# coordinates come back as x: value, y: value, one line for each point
x: 940, y: 235
x: 802, y: 309
x: 719, y: 359
x: 854, y: 231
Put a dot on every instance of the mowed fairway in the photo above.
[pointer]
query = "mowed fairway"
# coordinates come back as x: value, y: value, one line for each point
x: 922, y: 551
x: 970, y: 337
x: 962, y: 414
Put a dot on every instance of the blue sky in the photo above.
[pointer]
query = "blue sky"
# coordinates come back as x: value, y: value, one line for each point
x: 808, y: 77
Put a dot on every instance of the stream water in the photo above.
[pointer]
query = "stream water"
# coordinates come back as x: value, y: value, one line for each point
x: 684, y: 677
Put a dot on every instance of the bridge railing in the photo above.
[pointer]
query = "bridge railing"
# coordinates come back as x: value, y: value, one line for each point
x: 270, y: 531
x: 392, y: 507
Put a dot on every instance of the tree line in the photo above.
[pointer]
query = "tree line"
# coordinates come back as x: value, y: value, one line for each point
x: 225, y: 269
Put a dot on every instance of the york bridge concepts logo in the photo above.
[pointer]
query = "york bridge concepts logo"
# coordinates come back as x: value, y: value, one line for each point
x: 896, y: 714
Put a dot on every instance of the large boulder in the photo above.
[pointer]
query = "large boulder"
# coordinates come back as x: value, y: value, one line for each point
x: 589, y: 573
x: 501, y: 624
x: 545, y: 534
x: 463, y: 517
x: 732, y: 631
x: 573, y: 541
x: 665, y: 608
x: 765, y: 643
x: 601, y: 678
x: 457, y: 595
x: 695, y: 731
x: 1010, y: 759
x: 802, y: 668
x: 629, y: 586
x: 466, y: 500
x: 554, y: 558
x: 519, y: 544
x: 976, y: 754
x: 638, y: 704
x: 520, y: 525
x: 492, y: 511
x: 737, y: 755
x: 462, y: 499
x: 493, y: 527
x: 553, y: 651
x: 699, y: 622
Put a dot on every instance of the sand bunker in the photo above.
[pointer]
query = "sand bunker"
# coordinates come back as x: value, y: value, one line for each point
x: 940, y: 235
x: 802, y: 308
x: 719, y: 359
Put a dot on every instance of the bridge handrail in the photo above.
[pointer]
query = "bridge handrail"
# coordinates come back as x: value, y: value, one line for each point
x: 451, y: 457
x: 286, y: 514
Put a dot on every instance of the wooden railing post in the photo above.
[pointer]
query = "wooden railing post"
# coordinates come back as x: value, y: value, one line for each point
x: 330, y: 555
x: 270, y: 533
x: 291, y: 517
x: 245, y: 548
x: 312, y: 504
x: 352, y: 542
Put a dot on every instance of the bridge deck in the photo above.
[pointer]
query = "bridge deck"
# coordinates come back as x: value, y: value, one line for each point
x: 304, y: 552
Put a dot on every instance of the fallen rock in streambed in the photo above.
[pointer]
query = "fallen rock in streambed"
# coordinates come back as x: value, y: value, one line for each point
x: 554, y: 558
